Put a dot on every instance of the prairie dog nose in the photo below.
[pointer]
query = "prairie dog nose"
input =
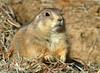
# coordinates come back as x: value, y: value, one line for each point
x: 61, y: 22
x: 60, y: 19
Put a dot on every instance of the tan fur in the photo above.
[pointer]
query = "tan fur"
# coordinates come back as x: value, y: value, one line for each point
x: 25, y: 10
x: 42, y: 38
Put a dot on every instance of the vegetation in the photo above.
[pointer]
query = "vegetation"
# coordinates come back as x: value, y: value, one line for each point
x: 82, y: 18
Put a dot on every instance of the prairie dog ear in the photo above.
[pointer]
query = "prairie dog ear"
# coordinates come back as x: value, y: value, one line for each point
x: 42, y: 15
x: 37, y: 18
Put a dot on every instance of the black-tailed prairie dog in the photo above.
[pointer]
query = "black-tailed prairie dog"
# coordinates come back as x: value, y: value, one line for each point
x: 45, y: 37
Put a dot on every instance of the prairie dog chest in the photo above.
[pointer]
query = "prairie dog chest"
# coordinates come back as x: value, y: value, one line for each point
x: 57, y: 41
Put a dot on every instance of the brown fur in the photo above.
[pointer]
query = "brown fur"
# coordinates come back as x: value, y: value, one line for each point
x: 26, y: 10
x: 44, y: 37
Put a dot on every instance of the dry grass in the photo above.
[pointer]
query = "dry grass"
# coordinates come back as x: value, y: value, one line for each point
x: 83, y: 18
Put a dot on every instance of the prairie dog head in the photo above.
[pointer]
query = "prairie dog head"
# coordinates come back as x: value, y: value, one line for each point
x: 50, y: 20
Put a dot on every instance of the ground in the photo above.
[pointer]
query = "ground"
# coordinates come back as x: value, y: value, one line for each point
x: 82, y: 18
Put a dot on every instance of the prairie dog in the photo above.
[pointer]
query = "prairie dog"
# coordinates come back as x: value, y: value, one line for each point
x: 45, y: 37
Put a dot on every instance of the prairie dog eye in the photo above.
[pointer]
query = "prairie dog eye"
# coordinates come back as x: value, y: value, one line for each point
x: 47, y: 14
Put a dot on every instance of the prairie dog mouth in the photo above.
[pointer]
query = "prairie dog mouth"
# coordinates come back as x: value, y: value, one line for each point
x: 59, y: 27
